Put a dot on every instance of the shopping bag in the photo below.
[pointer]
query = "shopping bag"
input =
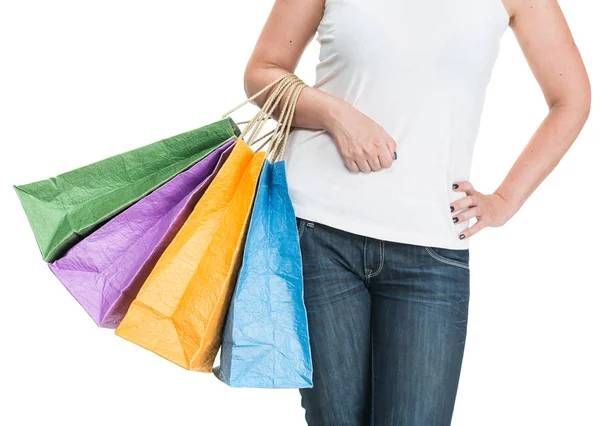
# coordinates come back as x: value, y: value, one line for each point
x: 179, y: 312
x: 62, y: 210
x: 105, y: 270
x: 180, y: 309
x: 265, y: 340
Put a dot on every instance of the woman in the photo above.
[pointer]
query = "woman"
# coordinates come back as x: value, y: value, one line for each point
x: 378, y: 166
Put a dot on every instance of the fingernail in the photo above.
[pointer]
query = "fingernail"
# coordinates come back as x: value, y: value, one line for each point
x: 395, y: 155
x: 455, y: 219
x: 454, y: 186
x: 451, y: 209
x: 461, y: 236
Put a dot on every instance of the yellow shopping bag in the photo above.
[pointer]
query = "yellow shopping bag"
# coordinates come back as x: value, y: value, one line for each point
x: 180, y: 311
x: 183, y: 302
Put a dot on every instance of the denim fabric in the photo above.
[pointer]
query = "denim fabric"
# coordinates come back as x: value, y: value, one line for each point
x: 387, y: 325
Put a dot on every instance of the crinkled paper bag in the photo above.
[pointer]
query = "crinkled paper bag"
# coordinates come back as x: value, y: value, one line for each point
x: 62, y: 210
x: 265, y: 341
x: 180, y: 310
x: 105, y: 270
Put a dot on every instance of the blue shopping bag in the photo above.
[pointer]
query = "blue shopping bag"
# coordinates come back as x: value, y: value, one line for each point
x: 265, y: 342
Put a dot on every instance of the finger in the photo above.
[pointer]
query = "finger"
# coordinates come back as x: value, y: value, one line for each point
x: 351, y: 165
x: 374, y: 164
x: 464, y: 186
x: 469, y: 232
x: 363, y: 165
x: 464, y: 203
x: 385, y: 160
x: 392, y: 147
x: 465, y: 216
x: 386, y: 156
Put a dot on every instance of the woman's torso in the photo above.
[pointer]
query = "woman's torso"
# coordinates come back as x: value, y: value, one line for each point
x: 419, y: 69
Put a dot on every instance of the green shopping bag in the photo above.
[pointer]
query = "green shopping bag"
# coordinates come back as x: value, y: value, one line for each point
x: 64, y: 209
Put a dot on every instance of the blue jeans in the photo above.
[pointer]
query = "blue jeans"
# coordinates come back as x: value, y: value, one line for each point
x: 387, y: 325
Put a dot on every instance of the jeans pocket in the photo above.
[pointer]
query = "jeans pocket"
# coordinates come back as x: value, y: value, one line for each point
x: 458, y: 257
x: 301, y: 224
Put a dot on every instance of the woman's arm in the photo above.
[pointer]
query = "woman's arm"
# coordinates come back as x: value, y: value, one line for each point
x: 546, y: 41
x: 287, y: 32
x: 363, y: 144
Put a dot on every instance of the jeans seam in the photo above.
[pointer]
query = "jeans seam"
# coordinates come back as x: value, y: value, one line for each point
x: 381, y: 258
x: 365, y: 260
x: 443, y: 259
x: 372, y: 381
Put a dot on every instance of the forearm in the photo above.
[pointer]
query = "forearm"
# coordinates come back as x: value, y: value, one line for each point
x: 315, y: 109
x: 540, y: 156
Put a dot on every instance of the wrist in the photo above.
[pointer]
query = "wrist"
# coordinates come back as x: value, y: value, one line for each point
x: 509, y: 208
x: 332, y: 112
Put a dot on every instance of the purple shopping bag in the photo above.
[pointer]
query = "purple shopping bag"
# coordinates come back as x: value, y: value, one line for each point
x: 105, y: 270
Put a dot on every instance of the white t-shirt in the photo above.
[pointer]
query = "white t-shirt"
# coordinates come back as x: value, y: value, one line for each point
x: 420, y: 69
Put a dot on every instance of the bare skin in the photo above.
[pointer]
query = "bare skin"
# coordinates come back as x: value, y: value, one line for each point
x: 363, y: 144
x: 546, y: 41
x: 548, y: 46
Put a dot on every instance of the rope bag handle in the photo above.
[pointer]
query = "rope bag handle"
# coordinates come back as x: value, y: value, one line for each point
x: 279, y: 135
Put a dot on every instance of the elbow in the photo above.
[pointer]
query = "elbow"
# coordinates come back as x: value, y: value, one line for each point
x: 258, y: 72
x: 257, y: 75
x: 583, y: 102
x: 584, y: 106
x: 578, y: 103
x: 249, y: 77
x: 254, y: 76
x: 587, y: 104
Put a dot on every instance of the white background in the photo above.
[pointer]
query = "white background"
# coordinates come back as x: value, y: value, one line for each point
x: 82, y: 81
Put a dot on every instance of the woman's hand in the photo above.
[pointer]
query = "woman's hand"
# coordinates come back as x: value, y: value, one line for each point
x: 363, y: 144
x: 490, y: 210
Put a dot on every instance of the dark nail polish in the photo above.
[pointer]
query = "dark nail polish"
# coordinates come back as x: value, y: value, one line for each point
x: 451, y: 209
x: 455, y: 186
x: 461, y: 236
x: 455, y: 219
x: 395, y: 155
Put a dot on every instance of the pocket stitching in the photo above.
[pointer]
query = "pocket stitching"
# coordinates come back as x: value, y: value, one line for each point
x: 302, y: 227
x: 446, y: 260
